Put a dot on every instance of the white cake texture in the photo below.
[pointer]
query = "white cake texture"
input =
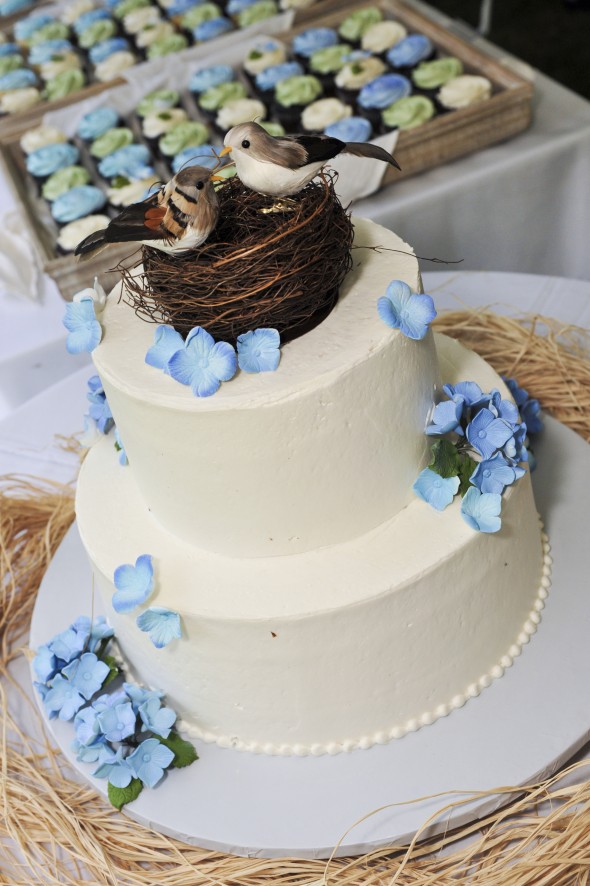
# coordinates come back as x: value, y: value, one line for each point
x: 324, y: 607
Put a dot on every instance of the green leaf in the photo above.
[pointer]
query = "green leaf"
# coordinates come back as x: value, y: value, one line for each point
x: 113, y: 669
x: 445, y: 459
x: 466, y: 468
x: 184, y: 752
x: 120, y: 796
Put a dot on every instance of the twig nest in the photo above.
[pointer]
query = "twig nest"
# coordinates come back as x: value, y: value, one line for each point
x: 269, y: 263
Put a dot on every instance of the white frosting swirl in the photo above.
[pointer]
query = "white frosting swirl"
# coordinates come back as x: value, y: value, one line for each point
x: 266, y: 54
x: 138, y: 19
x: 460, y: 92
x: 40, y: 137
x: 159, y: 122
x: 18, y: 100
x: 112, y: 66
x: 355, y: 75
x: 75, y: 9
x: 382, y: 36
x: 240, y: 110
x: 323, y: 113
x: 76, y: 231
x: 68, y: 61
x: 159, y: 31
x: 131, y: 193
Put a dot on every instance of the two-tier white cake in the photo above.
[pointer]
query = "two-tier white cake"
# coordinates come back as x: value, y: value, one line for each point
x: 324, y: 607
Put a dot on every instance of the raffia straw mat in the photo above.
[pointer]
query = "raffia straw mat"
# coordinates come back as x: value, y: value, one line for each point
x: 55, y: 831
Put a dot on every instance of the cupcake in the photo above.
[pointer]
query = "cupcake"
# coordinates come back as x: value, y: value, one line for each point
x: 257, y: 12
x: 19, y: 100
x: 110, y: 141
x: 40, y: 137
x: 196, y: 15
x: 380, y: 94
x: 212, y: 29
x: 45, y: 52
x: 355, y: 25
x: 120, y: 10
x: 64, y: 180
x: 138, y: 19
x: 214, y: 75
x: 428, y: 77
x: 124, y: 192
x: 76, y: 231
x: 167, y: 46
x: 158, y: 100
x: 241, y: 110
x: 113, y: 65
x: 53, y: 30
x: 96, y: 123
x: 213, y: 99
x: 64, y: 84
x: 326, y: 63
x: 356, y: 74
x: 132, y: 161
x: 267, y: 80
x: 408, y: 113
x: 188, y: 134
x: 26, y: 27
x: 10, y: 63
x: 464, y: 91
x: 292, y: 96
x: 264, y: 54
x: 88, y: 18
x: 43, y: 162
x: 75, y: 9
x: 158, y: 123
x: 152, y: 33
x: 309, y: 41
x: 381, y: 36
x: 318, y: 115
x: 350, y: 129
x: 69, y: 61
x: 97, y: 32
x: 77, y: 203
x: 409, y: 52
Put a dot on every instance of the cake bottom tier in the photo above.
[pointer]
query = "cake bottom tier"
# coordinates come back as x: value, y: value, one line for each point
x: 333, y: 649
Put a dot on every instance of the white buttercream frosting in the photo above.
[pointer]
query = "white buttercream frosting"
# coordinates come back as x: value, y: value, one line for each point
x: 354, y: 75
x: 74, y: 232
x: 159, y: 122
x: 324, y: 112
x: 240, y: 110
x: 114, y: 65
x: 131, y: 193
x: 40, y: 137
x: 382, y: 36
x: 460, y: 92
x: 18, y: 100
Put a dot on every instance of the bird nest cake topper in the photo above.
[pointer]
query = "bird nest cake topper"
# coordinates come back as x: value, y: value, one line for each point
x: 267, y: 249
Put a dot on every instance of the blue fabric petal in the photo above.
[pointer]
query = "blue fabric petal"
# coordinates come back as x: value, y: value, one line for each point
x: 162, y: 625
x: 167, y: 341
x: 134, y: 584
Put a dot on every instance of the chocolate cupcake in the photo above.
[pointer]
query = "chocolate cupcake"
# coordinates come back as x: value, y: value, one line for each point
x: 409, y: 52
x: 324, y: 112
x: 326, y: 63
x: 354, y: 26
x: 381, y: 36
x: 463, y: 92
x: 355, y: 74
x: 265, y: 53
x: 428, y: 77
x: 380, y: 94
x: 96, y: 123
x: 291, y: 98
x: 408, y: 113
x: 309, y: 41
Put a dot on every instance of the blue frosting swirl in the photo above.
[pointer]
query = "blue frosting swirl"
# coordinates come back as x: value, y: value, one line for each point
x: 132, y: 161
x: 27, y: 26
x: 351, y: 129
x: 234, y: 7
x: 47, y: 160
x: 204, y: 155
x: 212, y: 28
x: 179, y: 7
x: 101, y: 51
x: 19, y: 79
x: 269, y: 78
x: 9, y: 49
x: 77, y: 202
x: 384, y: 91
x: 215, y: 75
x: 11, y: 6
x: 96, y: 123
x: 313, y: 39
x: 87, y: 18
x: 44, y: 52
x: 409, y: 51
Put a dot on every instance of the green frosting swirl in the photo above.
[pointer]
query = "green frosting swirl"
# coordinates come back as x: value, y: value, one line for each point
x: 217, y: 96
x: 329, y: 59
x: 63, y: 180
x: 199, y: 14
x: 10, y: 63
x: 111, y: 141
x: 298, y: 90
x: 63, y: 84
x: 127, y: 6
x: 407, y: 113
x: 431, y: 75
x: 167, y: 45
x: 274, y: 129
x: 185, y: 135
x: 354, y: 25
x: 50, y: 31
x: 159, y: 100
x: 97, y: 31
x: 257, y: 13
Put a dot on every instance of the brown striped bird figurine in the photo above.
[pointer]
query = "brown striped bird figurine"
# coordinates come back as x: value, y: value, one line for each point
x: 178, y: 216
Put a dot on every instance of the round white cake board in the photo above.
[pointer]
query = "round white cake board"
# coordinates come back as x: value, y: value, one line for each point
x: 519, y: 730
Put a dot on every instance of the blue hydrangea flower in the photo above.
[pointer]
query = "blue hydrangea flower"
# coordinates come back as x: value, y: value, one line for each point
x: 156, y: 718
x: 84, y: 330
x: 481, y: 510
x: 92, y: 753
x: 87, y: 674
x: 86, y: 726
x: 167, y: 341
x: 259, y: 350
x: 504, y: 409
x: 45, y: 664
x: 494, y: 474
x: 134, y: 584
x: 515, y: 447
x: 161, y: 624
x: 69, y: 644
x: 63, y: 699
x: 487, y: 433
x: 402, y: 309
x: 446, y: 417
x: 118, y: 722
x: 437, y: 491
x: 139, y: 695
x: 202, y: 363
x: 100, y: 411
x: 149, y: 760
x: 123, y: 460
x: 116, y: 768
x: 529, y: 408
x: 470, y: 391
x: 110, y: 700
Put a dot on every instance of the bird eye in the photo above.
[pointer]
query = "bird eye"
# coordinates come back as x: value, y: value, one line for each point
x: 245, y: 143
x: 199, y: 186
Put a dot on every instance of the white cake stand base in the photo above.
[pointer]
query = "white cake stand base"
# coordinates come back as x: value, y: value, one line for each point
x: 519, y: 730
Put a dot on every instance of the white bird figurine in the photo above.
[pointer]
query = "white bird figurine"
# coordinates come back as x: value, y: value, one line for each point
x: 178, y: 216
x: 282, y: 165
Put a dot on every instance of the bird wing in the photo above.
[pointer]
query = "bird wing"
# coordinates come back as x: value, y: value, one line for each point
x: 139, y: 221
x: 296, y: 151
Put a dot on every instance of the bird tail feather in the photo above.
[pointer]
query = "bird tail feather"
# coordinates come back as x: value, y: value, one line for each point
x: 366, y: 149
x: 91, y: 245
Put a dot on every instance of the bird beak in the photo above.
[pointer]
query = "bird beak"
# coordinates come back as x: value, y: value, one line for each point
x: 225, y: 151
x: 216, y: 178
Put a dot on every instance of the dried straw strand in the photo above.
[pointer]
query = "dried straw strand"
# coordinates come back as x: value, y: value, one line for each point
x: 55, y: 831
